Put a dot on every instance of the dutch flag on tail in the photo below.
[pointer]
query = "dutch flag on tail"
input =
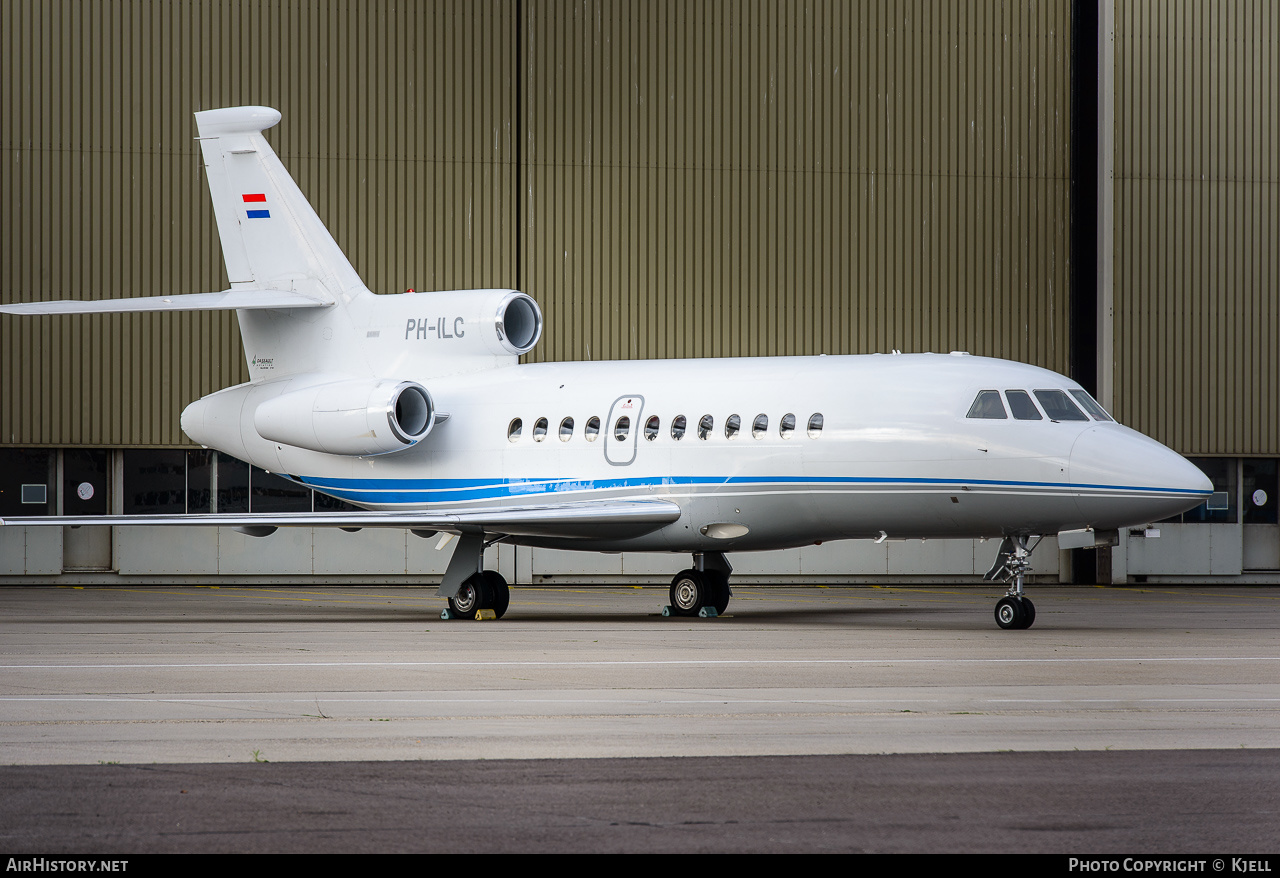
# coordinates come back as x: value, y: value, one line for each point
x: 256, y: 198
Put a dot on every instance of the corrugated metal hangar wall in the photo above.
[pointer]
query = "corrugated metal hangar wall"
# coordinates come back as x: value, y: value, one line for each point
x: 667, y: 179
x: 1197, y: 207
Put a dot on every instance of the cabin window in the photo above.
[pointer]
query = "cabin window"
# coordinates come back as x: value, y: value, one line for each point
x: 651, y: 428
x: 815, y: 425
x: 760, y: 426
x: 732, y: 426
x: 513, y: 429
x: 678, y: 427
x: 1091, y: 405
x: 1058, y: 407
x: 788, y: 426
x: 1021, y: 405
x: 622, y: 428
x: 705, y: 425
x: 987, y: 405
x: 539, y: 429
x: 566, y: 429
x: 592, y: 430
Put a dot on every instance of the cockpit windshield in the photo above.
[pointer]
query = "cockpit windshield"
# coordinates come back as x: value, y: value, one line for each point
x: 987, y: 405
x: 1058, y: 406
x: 1091, y: 405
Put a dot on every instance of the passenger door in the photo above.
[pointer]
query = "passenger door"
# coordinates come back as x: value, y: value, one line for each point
x: 623, y: 430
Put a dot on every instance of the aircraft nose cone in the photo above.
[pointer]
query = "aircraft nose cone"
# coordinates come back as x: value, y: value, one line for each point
x: 1123, y: 478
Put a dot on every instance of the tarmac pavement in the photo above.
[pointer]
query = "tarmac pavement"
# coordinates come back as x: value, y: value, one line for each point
x: 767, y: 724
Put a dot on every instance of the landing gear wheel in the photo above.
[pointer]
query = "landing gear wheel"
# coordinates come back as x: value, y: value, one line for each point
x: 1030, y: 609
x: 498, y: 596
x: 1015, y: 613
x: 690, y: 592
x: 717, y: 590
x: 470, y: 599
x: 486, y: 590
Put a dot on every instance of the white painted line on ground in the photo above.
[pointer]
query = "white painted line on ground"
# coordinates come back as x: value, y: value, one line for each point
x: 651, y: 662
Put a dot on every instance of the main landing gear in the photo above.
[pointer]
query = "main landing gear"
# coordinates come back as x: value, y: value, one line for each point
x: 484, y: 590
x: 468, y: 586
x: 1014, y: 611
x: 705, y: 585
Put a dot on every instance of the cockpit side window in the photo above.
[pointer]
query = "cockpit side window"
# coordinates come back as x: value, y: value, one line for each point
x: 987, y: 405
x: 1021, y: 405
x: 1091, y: 405
x: 1059, y: 407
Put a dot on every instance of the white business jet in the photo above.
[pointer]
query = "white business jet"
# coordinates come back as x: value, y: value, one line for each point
x: 414, y: 408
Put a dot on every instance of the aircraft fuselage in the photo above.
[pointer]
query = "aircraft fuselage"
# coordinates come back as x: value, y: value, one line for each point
x: 895, y: 451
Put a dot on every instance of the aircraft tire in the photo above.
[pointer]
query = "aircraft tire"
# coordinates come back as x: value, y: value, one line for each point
x: 1015, y: 613
x: 1029, y: 613
x: 689, y: 593
x: 718, y: 590
x: 471, y: 598
x: 1008, y: 613
x: 498, y: 596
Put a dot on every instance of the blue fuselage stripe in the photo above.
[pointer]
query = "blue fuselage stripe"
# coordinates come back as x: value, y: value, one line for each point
x: 454, y: 490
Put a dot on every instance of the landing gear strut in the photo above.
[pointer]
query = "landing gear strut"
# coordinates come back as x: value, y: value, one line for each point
x: 704, y: 585
x: 1014, y: 611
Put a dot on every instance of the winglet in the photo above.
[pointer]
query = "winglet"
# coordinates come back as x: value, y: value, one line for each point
x: 236, y: 120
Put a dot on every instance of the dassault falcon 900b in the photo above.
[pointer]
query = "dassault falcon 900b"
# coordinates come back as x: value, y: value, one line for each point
x: 414, y: 408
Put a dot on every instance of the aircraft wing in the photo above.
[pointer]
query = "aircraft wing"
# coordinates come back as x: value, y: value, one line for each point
x: 604, y: 519
x: 227, y: 300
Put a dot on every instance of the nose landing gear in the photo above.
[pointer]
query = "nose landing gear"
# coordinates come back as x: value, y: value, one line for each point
x: 1014, y: 611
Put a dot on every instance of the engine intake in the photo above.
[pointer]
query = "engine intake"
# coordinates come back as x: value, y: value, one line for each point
x: 358, y: 417
x: 519, y: 323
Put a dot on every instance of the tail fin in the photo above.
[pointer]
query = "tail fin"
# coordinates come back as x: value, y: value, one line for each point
x: 271, y: 236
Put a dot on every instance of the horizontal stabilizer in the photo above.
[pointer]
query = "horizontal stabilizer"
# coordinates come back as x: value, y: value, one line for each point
x: 227, y: 300
x: 611, y: 519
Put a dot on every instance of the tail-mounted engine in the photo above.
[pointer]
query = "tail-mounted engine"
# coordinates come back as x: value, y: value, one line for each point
x: 518, y: 323
x: 465, y: 323
x: 357, y: 417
